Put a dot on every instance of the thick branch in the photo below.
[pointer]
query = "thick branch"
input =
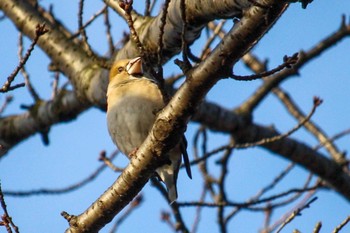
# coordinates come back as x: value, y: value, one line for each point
x: 14, y: 129
x: 199, y: 14
x: 172, y: 120
x: 90, y: 80
x: 223, y: 120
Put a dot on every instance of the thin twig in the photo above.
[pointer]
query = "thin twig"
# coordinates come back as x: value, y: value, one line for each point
x: 247, y: 205
x: 180, y: 224
x: 258, y: 66
x: 149, y: 7
x: 282, y: 219
x: 165, y: 217
x: 316, y: 102
x: 260, y: 94
x: 27, y: 82
x: 39, y: 31
x: 133, y: 206
x: 267, y: 218
x: 126, y: 5
x: 8, y: 99
x: 338, y: 228
x: 160, y: 38
x: 47, y: 191
x: 275, y: 181
x: 221, y: 197
x: 108, y: 161
x: 7, y: 219
x: 198, y: 211
x: 216, y: 32
x: 263, y: 141
x: 317, y: 227
x: 82, y: 31
x: 295, y: 213
x: 203, y: 168
x: 108, y: 31
x: 298, y: 194
x: 335, y: 137
x: 90, y: 21
x: 288, y: 63
x: 315, y: 130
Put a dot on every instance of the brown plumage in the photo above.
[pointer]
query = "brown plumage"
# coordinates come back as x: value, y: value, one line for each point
x: 133, y: 102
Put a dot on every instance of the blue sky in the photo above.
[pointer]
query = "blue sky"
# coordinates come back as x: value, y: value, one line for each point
x: 75, y: 146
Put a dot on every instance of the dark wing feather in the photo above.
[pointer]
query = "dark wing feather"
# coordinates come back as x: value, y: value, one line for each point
x: 183, y: 146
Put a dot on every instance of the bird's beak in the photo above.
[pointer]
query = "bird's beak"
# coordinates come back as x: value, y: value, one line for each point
x: 134, y: 67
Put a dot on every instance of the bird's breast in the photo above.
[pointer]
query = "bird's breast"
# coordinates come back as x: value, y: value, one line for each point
x: 131, y: 113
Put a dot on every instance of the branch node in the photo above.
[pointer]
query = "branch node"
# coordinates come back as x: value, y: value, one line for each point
x: 317, y: 101
x: 67, y: 216
x: 126, y: 5
x: 40, y: 30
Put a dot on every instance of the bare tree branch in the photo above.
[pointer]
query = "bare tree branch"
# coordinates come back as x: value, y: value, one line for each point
x: 161, y: 37
x: 39, y: 31
x: 165, y: 134
x: 295, y: 213
x: 6, y: 218
x: 345, y: 222
x: 58, y: 191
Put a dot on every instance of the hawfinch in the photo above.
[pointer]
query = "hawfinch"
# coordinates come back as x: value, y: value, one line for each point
x: 133, y: 102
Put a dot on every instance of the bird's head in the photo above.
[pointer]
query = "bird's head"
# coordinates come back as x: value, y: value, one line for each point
x: 126, y: 68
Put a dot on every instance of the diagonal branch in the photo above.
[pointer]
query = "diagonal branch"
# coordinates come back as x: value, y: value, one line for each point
x: 67, y: 55
x: 199, y: 15
x: 14, y: 129
x: 171, y: 121
x: 304, y: 57
x: 88, y: 78
x: 213, y: 116
x: 39, y: 31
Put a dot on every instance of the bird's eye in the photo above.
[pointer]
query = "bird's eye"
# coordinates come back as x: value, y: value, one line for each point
x: 120, y: 69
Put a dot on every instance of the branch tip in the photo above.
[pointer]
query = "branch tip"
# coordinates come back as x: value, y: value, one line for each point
x: 317, y: 101
x: 165, y: 216
x: 137, y: 201
x: 102, y: 156
x: 288, y: 62
x: 67, y: 216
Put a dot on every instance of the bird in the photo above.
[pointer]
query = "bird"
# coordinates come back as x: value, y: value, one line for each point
x: 133, y: 101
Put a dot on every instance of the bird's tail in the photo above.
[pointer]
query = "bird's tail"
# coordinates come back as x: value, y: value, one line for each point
x: 169, y: 177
